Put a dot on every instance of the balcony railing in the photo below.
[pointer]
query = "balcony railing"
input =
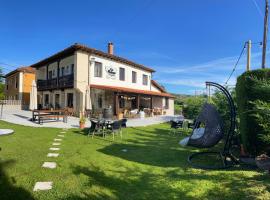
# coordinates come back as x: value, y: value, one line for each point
x: 62, y: 82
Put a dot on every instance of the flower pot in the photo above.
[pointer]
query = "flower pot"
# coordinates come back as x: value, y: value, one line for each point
x: 82, y: 125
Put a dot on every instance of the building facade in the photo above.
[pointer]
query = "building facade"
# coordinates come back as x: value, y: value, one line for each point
x: 63, y: 78
x: 18, y: 85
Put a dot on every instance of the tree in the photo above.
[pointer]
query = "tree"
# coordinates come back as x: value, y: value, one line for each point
x: 2, y: 85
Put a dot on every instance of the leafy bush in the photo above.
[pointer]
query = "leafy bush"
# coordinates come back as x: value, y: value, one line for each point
x: 252, y: 91
x: 192, y: 106
x: 262, y: 115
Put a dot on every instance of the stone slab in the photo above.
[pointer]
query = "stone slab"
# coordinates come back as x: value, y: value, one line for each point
x: 56, y: 144
x: 60, y: 135
x: 52, y: 155
x: 57, y: 139
x: 54, y: 149
x: 43, y: 186
x: 50, y: 165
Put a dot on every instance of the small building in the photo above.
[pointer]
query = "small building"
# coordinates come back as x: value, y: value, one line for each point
x: 18, y: 85
x: 115, y: 82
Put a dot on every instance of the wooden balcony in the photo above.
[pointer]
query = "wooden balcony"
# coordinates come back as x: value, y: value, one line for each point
x: 60, y: 83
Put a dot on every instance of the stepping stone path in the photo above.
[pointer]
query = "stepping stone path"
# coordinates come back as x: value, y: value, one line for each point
x: 54, y: 149
x: 53, y: 155
x: 50, y: 165
x: 43, y: 186
x: 60, y: 135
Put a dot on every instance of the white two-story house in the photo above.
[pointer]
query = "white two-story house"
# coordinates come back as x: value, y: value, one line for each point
x: 115, y: 82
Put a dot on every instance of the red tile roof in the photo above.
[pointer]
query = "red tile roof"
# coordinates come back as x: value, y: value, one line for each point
x: 129, y: 90
x: 22, y: 69
x: 162, y: 89
x: 70, y: 50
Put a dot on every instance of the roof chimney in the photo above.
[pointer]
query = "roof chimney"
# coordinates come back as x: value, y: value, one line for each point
x: 110, y: 48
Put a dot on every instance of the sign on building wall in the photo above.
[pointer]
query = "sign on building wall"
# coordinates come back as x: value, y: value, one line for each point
x: 110, y: 72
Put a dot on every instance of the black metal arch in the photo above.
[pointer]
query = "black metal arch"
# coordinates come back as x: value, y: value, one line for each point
x: 226, y: 154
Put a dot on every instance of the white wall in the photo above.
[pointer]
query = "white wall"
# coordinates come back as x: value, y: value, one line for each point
x: 105, y: 80
x: 154, y: 88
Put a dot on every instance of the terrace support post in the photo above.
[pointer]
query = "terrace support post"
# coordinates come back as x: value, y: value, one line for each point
x: 138, y: 102
x: 58, y: 70
x: 151, y: 105
x: 47, y: 72
x: 116, y: 103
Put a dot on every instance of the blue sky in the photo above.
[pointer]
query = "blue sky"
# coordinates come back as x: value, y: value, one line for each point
x: 186, y: 41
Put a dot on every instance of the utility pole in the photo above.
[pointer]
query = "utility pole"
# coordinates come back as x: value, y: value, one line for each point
x: 248, y: 54
x: 265, y: 34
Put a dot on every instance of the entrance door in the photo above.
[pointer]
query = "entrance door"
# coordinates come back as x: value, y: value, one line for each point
x: 70, y: 100
x: 57, y: 101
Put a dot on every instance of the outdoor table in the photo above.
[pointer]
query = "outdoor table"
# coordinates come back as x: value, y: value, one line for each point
x: 103, y: 122
x: 41, y: 113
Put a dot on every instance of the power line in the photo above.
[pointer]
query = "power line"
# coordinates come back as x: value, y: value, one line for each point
x: 258, y: 8
x: 234, y: 68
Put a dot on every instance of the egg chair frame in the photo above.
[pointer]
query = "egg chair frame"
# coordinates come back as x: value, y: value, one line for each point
x: 225, y: 155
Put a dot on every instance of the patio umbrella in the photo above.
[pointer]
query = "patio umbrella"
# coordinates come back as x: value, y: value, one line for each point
x: 33, y: 96
x: 88, y: 103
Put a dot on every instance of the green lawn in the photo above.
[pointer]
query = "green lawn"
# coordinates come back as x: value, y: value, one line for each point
x: 154, y: 167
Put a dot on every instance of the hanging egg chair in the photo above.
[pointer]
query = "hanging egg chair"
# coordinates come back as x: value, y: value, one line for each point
x: 208, y: 131
x: 212, y: 126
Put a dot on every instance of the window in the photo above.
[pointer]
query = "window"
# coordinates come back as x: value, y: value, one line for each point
x: 166, y: 103
x: 122, y: 74
x: 67, y: 70
x: 57, y: 101
x: 70, y: 100
x: 46, y: 102
x: 50, y: 75
x: 134, y: 77
x: 98, y: 69
x: 122, y: 102
x: 7, y: 87
x: 16, y: 82
x: 62, y: 71
x: 72, y: 68
x: 145, y: 79
x: 53, y: 73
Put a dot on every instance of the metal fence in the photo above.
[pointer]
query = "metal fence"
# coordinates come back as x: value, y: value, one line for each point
x: 11, y: 102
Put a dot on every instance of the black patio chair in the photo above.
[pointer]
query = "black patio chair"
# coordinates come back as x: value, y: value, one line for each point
x: 124, y: 123
x: 115, y: 128
x: 175, y: 125
x: 97, y: 127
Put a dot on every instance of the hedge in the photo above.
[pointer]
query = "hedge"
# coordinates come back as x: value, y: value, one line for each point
x: 251, y: 87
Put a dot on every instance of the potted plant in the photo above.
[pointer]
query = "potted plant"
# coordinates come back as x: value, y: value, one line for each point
x: 263, y: 162
x: 82, y: 122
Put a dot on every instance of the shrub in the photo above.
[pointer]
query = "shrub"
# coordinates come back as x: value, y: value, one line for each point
x: 192, y: 106
x: 252, y: 87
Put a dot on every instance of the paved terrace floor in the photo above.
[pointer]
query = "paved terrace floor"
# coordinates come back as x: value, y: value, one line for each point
x: 23, y: 117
